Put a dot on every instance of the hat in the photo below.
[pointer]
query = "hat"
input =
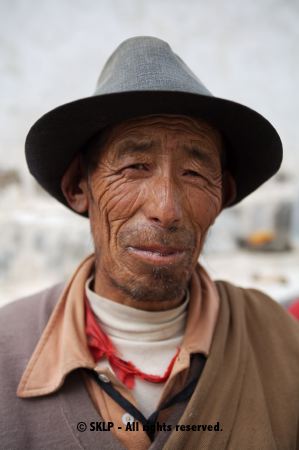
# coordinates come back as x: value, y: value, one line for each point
x: 142, y: 77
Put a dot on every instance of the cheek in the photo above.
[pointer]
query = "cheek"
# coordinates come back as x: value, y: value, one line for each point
x: 123, y: 200
x: 204, y: 205
x: 114, y: 202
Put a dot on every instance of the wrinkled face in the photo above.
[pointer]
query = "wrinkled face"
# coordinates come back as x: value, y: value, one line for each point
x: 155, y: 191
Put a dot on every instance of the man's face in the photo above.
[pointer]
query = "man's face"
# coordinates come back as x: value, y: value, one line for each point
x: 152, y: 197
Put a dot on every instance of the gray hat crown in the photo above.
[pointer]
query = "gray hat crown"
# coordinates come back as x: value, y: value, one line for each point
x: 147, y: 63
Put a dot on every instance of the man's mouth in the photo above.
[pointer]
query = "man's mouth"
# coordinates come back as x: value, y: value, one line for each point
x: 157, y: 254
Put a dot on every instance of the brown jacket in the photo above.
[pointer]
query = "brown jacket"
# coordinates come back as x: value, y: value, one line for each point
x: 63, y: 348
x: 250, y: 383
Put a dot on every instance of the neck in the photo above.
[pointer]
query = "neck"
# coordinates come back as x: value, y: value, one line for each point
x: 143, y: 326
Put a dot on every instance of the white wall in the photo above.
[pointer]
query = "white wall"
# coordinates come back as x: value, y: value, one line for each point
x: 52, y: 52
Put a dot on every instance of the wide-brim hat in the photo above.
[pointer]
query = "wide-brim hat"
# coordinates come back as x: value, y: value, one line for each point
x: 142, y: 77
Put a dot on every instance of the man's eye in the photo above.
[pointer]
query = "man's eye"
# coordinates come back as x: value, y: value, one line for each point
x: 137, y: 166
x: 191, y: 173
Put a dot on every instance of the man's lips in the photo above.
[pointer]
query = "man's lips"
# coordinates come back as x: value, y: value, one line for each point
x: 158, y: 254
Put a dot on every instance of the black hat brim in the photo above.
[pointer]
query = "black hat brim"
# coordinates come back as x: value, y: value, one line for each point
x: 254, y: 148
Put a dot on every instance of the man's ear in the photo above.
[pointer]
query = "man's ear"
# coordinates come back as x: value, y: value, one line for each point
x: 229, y: 189
x: 74, y: 186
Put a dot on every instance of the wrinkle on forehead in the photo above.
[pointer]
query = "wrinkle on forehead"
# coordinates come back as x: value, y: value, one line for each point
x: 171, y: 121
x: 174, y: 123
x: 184, y: 124
x: 146, y: 131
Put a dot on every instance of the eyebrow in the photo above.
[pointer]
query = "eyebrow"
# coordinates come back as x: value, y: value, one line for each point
x: 130, y: 147
x: 199, y: 154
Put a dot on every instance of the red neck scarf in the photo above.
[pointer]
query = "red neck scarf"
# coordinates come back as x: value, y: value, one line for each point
x: 101, y: 346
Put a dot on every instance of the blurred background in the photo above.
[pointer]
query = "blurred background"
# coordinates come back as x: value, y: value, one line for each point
x: 52, y: 53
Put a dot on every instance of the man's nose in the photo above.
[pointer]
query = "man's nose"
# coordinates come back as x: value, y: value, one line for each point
x: 164, y: 206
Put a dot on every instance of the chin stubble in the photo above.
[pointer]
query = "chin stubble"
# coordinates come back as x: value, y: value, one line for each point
x: 164, y: 287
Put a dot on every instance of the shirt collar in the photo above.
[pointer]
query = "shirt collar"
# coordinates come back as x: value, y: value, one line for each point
x: 63, y: 345
x: 131, y: 324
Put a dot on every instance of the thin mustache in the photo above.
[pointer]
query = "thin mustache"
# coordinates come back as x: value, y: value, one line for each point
x: 147, y: 237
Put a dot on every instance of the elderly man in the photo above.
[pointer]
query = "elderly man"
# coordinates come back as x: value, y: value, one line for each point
x: 141, y: 349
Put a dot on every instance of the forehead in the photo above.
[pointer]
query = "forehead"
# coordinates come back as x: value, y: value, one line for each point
x: 175, y: 125
x: 152, y: 133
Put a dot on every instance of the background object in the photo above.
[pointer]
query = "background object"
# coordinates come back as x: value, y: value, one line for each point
x: 51, y: 53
